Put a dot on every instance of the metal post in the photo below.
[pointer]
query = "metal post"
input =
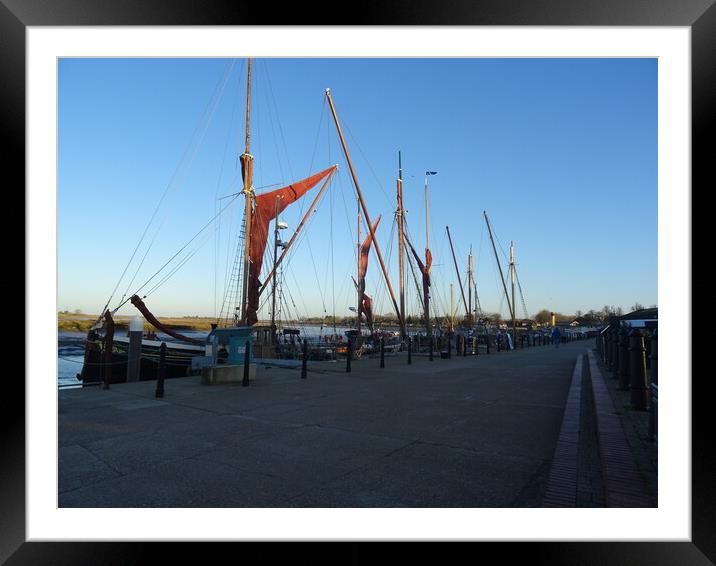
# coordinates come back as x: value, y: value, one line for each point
x: 349, y: 355
x: 410, y: 350
x: 304, y: 362
x: 247, y: 359
x: 621, y: 365
x: 637, y: 370
x: 161, y: 370
x: 134, y: 353
x: 382, y: 352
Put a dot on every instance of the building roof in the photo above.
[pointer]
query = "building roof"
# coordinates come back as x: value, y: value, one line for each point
x: 641, y: 314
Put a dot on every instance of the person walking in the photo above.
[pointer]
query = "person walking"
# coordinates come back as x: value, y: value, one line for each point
x: 556, y: 336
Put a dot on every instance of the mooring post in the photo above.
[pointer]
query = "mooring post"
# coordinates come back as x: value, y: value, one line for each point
x: 621, y: 366
x: 382, y: 352
x: 161, y: 370
x: 349, y: 355
x: 614, y: 356
x: 653, y: 388
x: 247, y: 360
x: 637, y: 370
x: 304, y: 362
x: 108, y: 346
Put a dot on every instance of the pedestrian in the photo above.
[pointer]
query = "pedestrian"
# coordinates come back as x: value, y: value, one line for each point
x: 556, y: 337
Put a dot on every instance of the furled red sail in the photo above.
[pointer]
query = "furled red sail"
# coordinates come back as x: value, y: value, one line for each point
x: 137, y: 302
x: 366, y: 304
x: 266, y: 207
x: 424, y: 267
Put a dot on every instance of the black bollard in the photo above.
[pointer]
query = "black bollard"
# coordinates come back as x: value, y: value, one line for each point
x: 637, y: 370
x: 614, y: 355
x: 410, y: 350
x: 621, y: 365
x: 247, y: 359
x: 430, y: 352
x: 653, y: 387
x: 304, y: 362
x: 349, y: 355
x: 161, y: 370
x: 382, y: 352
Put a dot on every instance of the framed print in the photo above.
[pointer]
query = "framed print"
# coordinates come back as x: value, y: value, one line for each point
x: 35, y: 37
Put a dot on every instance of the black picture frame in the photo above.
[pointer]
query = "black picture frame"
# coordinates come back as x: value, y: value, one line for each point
x: 699, y: 15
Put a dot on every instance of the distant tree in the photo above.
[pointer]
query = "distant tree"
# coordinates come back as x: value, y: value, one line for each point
x: 543, y: 316
x: 636, y: 306
x: 77, y: 311
x: 578, y: 314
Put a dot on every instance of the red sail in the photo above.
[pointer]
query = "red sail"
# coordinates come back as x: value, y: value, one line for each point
x: 366, y: 305
x: 264, y: 211
x: 137, y: 302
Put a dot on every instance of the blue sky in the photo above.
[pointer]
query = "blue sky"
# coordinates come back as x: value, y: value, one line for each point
x: 561, y: 153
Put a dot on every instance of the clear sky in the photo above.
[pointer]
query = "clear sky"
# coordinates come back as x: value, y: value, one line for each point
x: 561, y: 153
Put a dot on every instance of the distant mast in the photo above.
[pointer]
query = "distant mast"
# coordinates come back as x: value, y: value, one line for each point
x: 513, y: 274
x: 457, y: 271
x: 499, y: 266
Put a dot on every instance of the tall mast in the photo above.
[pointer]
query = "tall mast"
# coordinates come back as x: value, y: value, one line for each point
x: 457, y: 270
x: 366, y: 216
x: 247, y: 170
x: 358, y: 289
x: 401, y: 246
x: 426, y: 292
x: 512, y: 275
x: 469, y: 287
x: 499, y: 266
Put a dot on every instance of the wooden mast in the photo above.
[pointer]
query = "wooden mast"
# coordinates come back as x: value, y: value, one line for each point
x: 499, y: 266
x: 512, y: 275
x: 469, y: 287
x: 401, y: 246
x: 457, y: 270
x: 363, y: 206
x: 426, y: 292
x: 247, y: 171
x: 358, y: 289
